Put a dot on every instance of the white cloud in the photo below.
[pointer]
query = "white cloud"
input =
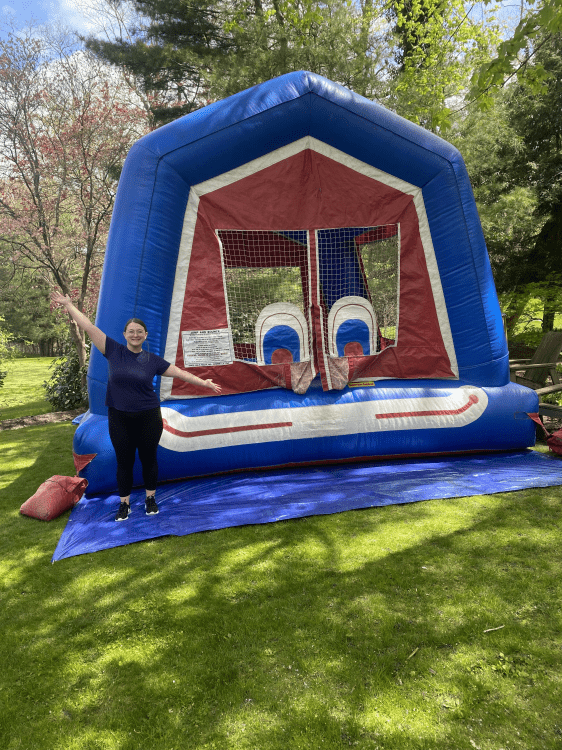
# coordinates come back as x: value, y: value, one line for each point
x: 76, y: 14
x: 93, y: 17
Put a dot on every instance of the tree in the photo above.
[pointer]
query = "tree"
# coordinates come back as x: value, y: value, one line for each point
x: 513, y: 153
x: 438, y: 45
x: 185, y: 56
x: 5, y: 351
x: 65, y: 127
x: 535, y: 117
x: 165, y: 48
x: 344, y: 41
x: 26, y: 309
x: 514, y: 56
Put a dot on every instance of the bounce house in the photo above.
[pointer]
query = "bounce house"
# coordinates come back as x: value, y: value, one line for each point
x: 322, y: 260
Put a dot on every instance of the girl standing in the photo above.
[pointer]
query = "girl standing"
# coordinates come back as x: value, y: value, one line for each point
x: 135, y: 420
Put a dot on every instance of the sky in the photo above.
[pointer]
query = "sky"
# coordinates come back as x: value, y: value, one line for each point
x: 70, y: 12
x: 43, y: 11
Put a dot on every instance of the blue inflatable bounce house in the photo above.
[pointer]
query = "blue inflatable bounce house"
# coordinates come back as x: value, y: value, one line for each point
x: 322, y: 260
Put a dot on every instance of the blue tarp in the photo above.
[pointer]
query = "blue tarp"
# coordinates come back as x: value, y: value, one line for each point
x: 268, y: 496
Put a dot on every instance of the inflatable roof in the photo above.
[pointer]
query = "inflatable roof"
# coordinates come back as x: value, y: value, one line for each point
x: 305, y: 248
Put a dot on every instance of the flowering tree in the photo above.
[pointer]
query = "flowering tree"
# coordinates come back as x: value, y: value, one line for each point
x: 66, y: 124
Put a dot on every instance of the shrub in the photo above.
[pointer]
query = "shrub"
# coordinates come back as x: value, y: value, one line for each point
x: 65, y: 390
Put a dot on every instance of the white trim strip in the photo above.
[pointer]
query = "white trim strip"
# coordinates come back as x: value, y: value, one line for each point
x: 184, y: 433
x: 178, y: 294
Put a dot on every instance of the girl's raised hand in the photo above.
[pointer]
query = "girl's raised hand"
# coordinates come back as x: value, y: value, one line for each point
x: 59, y: 299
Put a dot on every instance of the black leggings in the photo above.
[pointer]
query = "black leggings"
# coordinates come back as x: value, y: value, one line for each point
x: 130, y: 431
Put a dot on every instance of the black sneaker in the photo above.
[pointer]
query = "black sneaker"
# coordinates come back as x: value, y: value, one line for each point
x: 123, y: 512
x: 150, y: 506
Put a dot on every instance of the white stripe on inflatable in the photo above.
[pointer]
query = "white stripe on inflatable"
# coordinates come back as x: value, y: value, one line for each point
x: 183, y: 433
x: 178, y: 294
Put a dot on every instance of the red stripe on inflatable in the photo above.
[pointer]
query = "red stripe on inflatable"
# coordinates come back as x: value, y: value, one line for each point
x: 442, y: 412
x: 222, y: 430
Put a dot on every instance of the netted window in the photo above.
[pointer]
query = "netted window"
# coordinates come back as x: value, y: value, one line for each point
x: 380, y: 260
x: 260, y: 268
x: 362, y: 262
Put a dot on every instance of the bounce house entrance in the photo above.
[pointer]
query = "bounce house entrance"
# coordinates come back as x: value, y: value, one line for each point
x: 297, y: 295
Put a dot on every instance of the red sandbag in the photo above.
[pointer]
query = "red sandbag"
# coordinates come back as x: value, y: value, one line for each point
x: 553, y: 441
x: 53, y: 497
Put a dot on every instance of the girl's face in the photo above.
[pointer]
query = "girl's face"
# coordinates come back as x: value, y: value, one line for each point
x: 135, y: 336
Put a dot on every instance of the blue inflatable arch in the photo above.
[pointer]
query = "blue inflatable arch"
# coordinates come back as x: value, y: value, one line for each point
x: 323, y: 260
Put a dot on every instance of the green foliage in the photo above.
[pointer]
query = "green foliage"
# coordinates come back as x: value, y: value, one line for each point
x: 25, y: 307
x: 535, y: 117
x: 170, y: 55
x: 532, y: 32
x: 513, y: 154
x: 536, y: 165
x: 185, y: 55
x: 344, y: 41
x: 66, y: 389
x: 438, y: 45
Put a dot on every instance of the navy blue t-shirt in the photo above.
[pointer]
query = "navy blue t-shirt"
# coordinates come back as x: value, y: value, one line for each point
x: 129, y: 385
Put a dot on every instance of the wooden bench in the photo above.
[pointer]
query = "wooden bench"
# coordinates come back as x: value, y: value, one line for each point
x: 539, y: 372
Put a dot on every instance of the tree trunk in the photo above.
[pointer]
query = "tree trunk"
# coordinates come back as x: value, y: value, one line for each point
x: 515, y: 310
x: 79, y: 339
x: 548, y: 317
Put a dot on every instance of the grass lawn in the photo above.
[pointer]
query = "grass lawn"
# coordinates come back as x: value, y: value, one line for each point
x: 22, y: 394
x: 433, y: 626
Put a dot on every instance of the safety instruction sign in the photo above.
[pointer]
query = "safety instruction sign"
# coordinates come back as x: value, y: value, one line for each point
x: 207, y: 348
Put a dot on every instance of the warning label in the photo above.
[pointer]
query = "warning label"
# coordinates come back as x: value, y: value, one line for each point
x: 207, y: 348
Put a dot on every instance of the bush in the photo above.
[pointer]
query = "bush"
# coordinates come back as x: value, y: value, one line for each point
x: 64, y: 389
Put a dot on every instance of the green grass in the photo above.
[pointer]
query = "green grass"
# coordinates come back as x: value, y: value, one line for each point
x: 22, y: 394
x: 363, y: 629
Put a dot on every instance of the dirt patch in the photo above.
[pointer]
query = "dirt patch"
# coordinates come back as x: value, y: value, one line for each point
x: 50, y: 418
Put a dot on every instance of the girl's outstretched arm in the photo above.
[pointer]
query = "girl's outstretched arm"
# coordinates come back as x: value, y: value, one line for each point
x: 189, y: 377
x: 97, y: 337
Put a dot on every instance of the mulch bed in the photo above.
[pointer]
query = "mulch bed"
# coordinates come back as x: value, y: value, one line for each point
x: 54, y: 416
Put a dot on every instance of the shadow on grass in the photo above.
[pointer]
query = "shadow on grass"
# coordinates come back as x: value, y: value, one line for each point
x: 363, y: 629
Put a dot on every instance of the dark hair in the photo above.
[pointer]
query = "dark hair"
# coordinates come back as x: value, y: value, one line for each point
x: 137, y: 321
